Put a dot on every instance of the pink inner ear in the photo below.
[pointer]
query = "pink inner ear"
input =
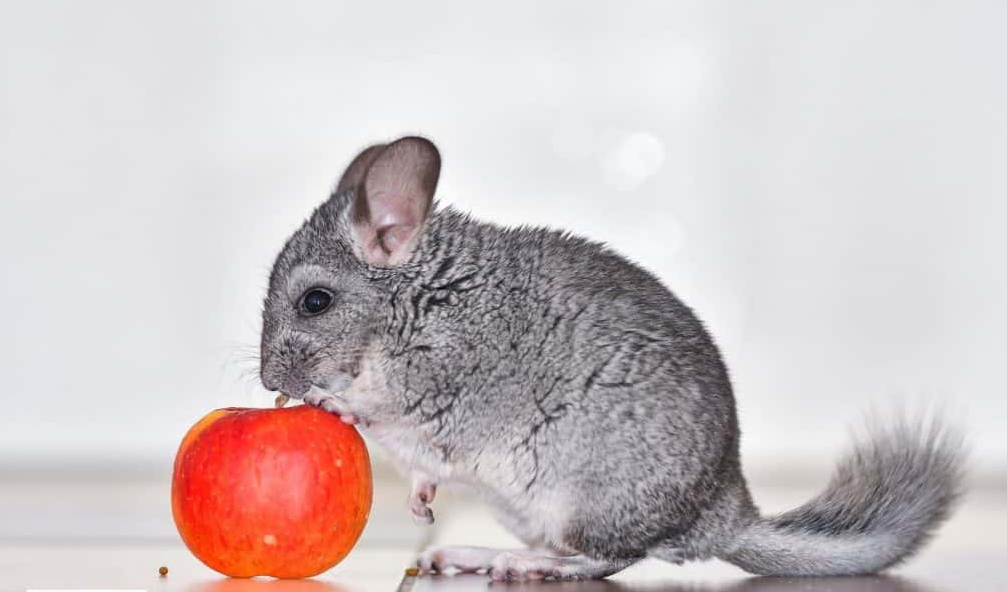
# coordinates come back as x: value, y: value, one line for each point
x: 383, y: 245
x: 394, y: 198
x: 389, y: 209
x: 394, y: 238
x: 392, y: 222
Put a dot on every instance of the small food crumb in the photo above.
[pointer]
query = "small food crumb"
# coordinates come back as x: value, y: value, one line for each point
x: 281, y: 400
x: 162, y: 571
x: 412, y: 572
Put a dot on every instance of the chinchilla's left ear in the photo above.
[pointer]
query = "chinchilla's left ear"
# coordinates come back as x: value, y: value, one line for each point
x: 354, y: 173
x: 393, y: 198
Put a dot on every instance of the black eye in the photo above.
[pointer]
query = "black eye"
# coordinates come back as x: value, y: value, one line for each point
x: 316, y: 301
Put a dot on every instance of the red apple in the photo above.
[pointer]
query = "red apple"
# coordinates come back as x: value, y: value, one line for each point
x: 277, y: 492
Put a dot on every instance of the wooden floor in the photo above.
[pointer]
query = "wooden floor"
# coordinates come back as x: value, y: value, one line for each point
x: 114, y: 532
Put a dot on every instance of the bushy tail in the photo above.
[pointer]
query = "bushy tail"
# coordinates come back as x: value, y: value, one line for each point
x: 884, y: 501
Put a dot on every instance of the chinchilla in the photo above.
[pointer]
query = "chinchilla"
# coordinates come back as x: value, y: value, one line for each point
x: 566, y: 385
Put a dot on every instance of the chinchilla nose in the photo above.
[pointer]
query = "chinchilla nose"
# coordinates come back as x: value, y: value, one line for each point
x: 283, y: 365
x: 291, y: 380
x: 270, y: 374
x: 270, y: 382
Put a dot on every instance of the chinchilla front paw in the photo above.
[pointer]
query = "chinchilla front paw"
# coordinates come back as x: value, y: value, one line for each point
x: 322, y: 399
x: 420, y: 496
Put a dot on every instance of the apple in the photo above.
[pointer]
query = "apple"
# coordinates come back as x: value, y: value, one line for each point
x: 278, y: 492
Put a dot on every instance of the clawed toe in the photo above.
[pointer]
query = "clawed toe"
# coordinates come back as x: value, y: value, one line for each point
x: 429, y: 561
x: 461, y: 559
x: 423, y: 516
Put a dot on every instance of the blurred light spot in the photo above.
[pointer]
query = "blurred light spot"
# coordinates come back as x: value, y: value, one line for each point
x: 269, y: 539
x: 631, y: 160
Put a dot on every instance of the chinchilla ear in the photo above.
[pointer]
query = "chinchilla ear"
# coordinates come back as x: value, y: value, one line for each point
x: 393, y: 200
x: 358, y: 168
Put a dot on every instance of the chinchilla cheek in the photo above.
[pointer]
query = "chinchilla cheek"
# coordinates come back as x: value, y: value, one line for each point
x: 340, y: 383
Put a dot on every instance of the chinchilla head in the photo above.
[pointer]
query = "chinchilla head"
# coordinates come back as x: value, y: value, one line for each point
x: 329, y: 286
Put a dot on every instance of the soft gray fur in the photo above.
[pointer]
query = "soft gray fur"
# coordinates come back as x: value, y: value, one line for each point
x: 569, y: 388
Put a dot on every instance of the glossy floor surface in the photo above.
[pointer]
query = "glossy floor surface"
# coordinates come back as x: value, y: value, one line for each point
x: 114, y: 532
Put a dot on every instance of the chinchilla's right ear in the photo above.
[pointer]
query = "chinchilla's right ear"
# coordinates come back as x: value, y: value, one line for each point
x: 392, y: 198
x: 354, y: 174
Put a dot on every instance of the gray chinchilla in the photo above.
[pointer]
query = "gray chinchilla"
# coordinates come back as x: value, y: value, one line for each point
x: 566, y: 385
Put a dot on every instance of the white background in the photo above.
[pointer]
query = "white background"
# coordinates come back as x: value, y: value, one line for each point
x: 823, y: 182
